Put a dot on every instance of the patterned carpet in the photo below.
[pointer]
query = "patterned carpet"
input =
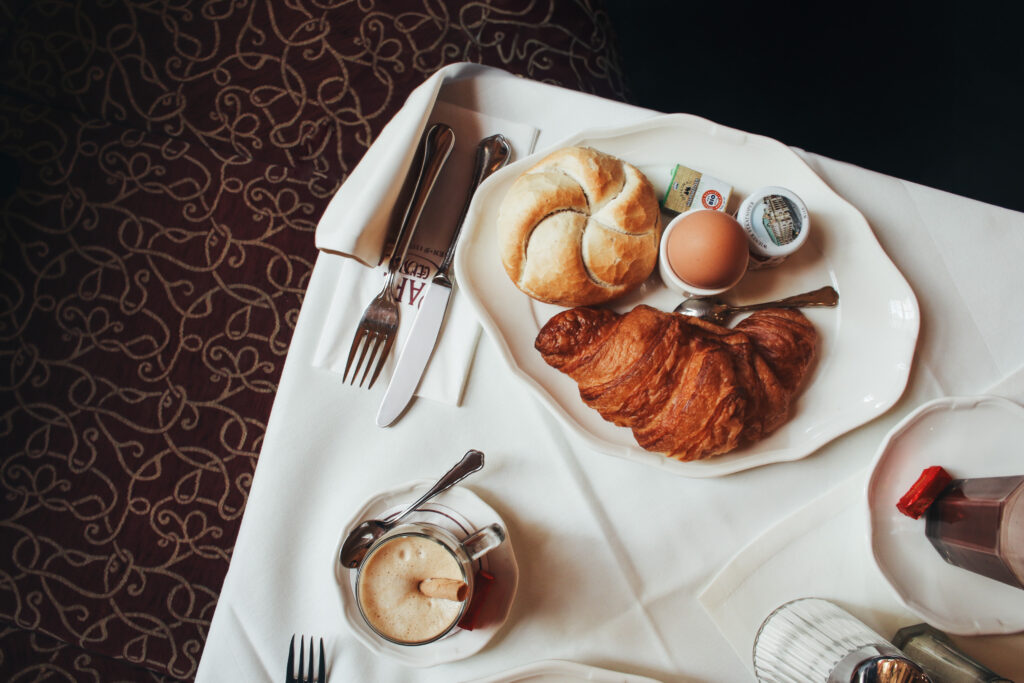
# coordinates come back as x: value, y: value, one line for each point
x: 163, y: 167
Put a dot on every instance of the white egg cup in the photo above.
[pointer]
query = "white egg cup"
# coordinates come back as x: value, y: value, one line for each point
x: 673, y: 281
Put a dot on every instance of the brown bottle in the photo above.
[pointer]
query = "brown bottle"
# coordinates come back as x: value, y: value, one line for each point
x: 978, y: 524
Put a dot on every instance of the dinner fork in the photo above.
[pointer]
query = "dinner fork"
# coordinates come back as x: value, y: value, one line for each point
x: 379, y: 324
x: 321, y: 669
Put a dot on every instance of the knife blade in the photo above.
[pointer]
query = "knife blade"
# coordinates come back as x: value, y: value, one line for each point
x: 491, y: 154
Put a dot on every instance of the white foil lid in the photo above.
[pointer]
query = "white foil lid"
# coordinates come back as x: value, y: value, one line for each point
x: 775, y: 220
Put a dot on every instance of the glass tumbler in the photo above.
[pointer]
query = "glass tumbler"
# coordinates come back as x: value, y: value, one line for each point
x: 811, y: 640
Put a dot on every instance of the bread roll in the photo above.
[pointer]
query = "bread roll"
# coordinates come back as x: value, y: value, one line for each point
x: 578, y: 228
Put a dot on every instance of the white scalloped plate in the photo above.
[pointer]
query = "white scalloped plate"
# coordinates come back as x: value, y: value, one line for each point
x: 970, y: 437
x: 460, y: 511
x: 866, y: 344
x: 558, y: 671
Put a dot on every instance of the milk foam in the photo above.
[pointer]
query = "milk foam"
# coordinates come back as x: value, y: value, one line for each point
x: 389, y: 589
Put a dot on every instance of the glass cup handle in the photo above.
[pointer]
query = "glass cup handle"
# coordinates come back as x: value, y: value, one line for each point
x: 483, y: 541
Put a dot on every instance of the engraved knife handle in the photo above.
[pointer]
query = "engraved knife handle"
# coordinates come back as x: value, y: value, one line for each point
x: 438, y: 142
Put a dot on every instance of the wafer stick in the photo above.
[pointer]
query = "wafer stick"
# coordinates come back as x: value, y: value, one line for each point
x: 447, y: 589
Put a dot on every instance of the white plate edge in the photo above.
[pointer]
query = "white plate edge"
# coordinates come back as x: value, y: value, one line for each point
x: 729, y: 463
x: 961, y: 402
x: 564, y: 667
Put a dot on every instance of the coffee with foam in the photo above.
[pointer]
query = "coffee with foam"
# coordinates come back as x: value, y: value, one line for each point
x: 389, y: 594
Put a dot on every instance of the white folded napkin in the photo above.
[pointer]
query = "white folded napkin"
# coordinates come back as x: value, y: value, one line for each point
x: 356, y: 223
x: 820, y: 551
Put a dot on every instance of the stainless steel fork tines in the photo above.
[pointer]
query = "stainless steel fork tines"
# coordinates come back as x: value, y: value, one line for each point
x: 379, y: 323
x: 310, y: 675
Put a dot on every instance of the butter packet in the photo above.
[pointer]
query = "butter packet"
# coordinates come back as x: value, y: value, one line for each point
x: 690, y: 189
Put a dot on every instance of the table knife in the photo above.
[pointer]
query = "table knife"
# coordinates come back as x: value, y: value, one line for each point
x: 491, y: 154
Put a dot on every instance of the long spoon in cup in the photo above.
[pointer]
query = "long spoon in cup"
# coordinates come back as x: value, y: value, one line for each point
x: 359, y: 540
x: 715, y: 311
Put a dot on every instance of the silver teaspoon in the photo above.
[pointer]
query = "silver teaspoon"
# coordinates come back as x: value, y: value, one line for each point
x: 715, y: 311
x: 359, y: 540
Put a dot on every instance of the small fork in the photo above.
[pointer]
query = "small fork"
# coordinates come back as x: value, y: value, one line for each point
x: 321, y: 670
x: 379, y: 324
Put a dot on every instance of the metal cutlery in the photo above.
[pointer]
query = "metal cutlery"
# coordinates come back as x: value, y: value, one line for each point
x: 310, y: 675
x: 379, y: 323
x: 713, y: 310
x: 491, y: 154
x: 359, y: 540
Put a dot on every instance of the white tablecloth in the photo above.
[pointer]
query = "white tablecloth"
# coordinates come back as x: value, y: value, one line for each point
x: 612, y: 554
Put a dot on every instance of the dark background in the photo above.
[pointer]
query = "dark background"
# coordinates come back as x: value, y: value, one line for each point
x: 929, y: 92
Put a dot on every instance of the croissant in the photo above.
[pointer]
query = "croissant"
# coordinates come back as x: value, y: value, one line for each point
x: 687, y: 388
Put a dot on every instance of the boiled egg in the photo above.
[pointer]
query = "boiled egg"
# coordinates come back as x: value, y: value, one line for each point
x: 706, y: 249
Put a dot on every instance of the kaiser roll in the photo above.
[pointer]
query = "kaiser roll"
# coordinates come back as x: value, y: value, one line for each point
x: 580, y: 227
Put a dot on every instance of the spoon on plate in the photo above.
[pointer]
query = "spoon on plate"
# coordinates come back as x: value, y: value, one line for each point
x: 715, y: 311
x: 359, y: 540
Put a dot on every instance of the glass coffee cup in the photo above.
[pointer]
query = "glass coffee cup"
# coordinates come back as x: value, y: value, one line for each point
x: 390, y: 581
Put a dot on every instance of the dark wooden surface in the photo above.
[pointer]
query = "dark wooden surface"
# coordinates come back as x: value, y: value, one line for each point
x: 162, y: 170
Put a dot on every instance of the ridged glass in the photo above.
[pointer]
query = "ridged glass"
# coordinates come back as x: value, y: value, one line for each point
x: 802, y: 641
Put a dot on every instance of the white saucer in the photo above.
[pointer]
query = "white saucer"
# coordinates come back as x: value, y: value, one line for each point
x: 970, y: 437
x: 557, y: 671
x: 461, y: 511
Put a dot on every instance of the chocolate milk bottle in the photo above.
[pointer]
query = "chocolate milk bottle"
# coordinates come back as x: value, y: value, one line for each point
x: 978, y: 524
